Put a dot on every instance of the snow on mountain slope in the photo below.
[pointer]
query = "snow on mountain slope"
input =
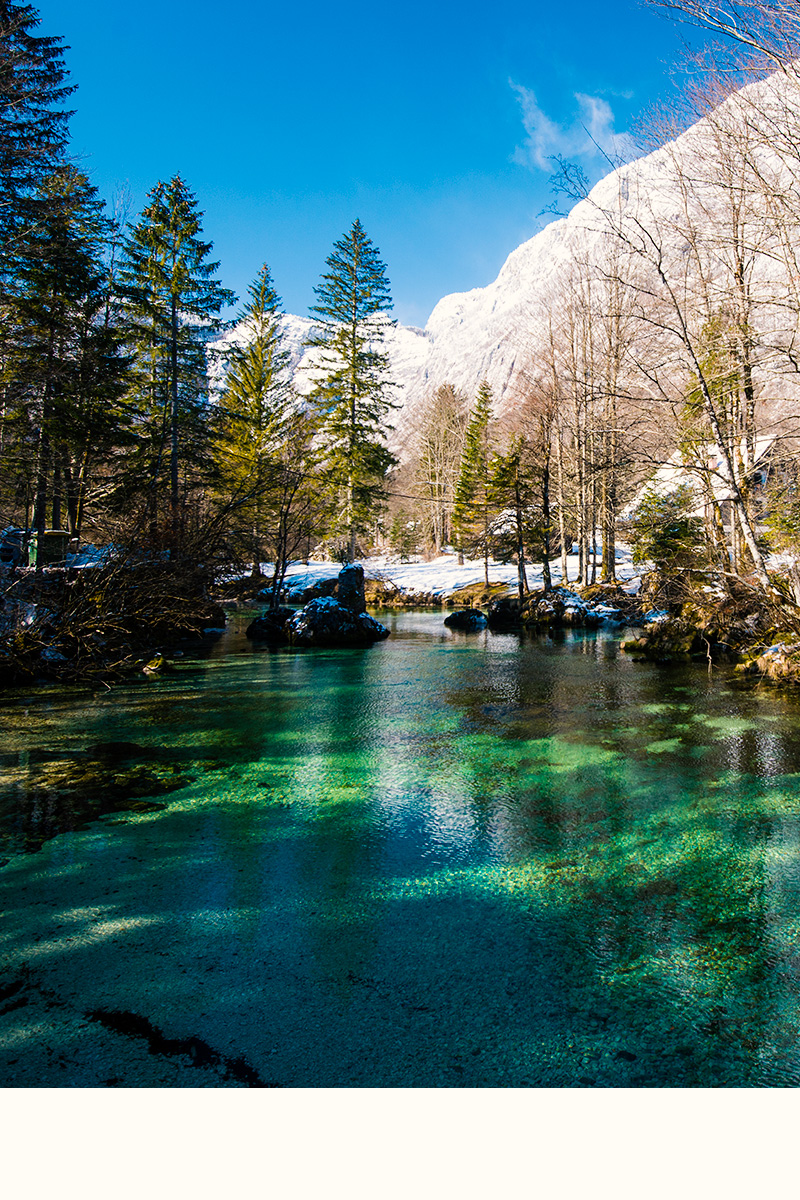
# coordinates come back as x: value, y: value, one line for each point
x: 487, y: 333
x: 407, y: 348
x: 493, y: 332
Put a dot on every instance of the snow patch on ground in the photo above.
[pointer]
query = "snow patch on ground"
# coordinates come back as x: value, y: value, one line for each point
x: 444, y: 575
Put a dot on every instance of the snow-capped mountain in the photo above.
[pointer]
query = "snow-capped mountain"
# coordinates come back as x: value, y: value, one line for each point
x: 703, y: 198
x: 494, y: 332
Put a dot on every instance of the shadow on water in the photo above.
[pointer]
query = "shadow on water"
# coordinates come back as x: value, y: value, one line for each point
x: 452, y: 862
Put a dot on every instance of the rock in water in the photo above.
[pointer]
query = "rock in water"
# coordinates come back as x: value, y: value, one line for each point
x: 271, y: 627
x: 327, y: 622
x: 504, y: 613
x: 470, y: 620
x: 350, y: 588
x: 156, y: 665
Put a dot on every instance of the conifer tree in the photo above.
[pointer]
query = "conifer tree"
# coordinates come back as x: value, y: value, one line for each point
x: 33, y: 137
x: 512, y: 487
x: 256, y: 411
x: 473, y: 490
x: 173, y: 302
x: 33, y: 125
x: 65, y: 373
x: 351, y: 391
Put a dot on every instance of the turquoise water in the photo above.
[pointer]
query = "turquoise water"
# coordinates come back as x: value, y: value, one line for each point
x: 446, y: 861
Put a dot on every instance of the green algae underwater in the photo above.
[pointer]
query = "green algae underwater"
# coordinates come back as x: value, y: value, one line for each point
x: 450, y: 860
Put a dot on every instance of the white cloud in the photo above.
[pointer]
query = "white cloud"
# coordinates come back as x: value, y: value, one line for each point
x: 590, y: 137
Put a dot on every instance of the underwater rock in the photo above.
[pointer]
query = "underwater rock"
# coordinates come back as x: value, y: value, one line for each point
x: 118, y: 751
x: 469, y: 620
x: 54, y: 795
x: 326, y: 622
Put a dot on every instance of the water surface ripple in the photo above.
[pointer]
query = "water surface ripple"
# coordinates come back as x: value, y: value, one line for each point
x: 447, y: 861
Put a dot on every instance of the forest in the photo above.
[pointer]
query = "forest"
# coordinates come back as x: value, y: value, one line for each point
x: 654, y: 401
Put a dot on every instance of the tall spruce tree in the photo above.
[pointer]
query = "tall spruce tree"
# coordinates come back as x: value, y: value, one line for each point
x: 33, y: 124
x: 33, y: 138
x: 65, y: 373
x: 351, y: 393
x: 474, y: 488
x: 256, y: 407
x: 173, y: 302
x: 512, y: 487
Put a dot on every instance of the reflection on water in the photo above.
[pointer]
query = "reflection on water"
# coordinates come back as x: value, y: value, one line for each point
x: 450, y: 860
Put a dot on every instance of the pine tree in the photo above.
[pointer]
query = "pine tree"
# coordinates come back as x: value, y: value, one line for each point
x: 256, y: 412
x: 64, y: 373
x: 665, y: 531
x: 473, y: 490
x: 512, y: 490
x: 351, y: 392
x: 33, y: 137
x: 33, y: 126
x: 173, y: 303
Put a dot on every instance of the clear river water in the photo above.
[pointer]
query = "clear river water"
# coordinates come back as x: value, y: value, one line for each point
x: 447, y: 861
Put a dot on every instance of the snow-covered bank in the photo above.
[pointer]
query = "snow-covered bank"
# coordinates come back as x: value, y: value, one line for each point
x: 443, y: 576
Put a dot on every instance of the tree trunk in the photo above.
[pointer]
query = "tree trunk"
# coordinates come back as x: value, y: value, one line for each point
x: 173, y: 463
x: 547, y: 582
x: 40, y: 503
x: 608, y: 507
x: 56, y: 509
x: 486, y: 546
x: 737, y: 501
x: 521, y: 576
x: 562, y: 533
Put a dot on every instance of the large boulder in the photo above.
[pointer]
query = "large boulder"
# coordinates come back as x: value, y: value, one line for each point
x: 558, y: 608
x: 323, y: 587
x: 347, y: 587
x: 271, y: 627
x: 326, y: 622
x: 350, y: 588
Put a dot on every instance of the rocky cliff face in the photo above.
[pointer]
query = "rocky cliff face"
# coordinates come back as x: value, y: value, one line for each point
x: 493, y: 332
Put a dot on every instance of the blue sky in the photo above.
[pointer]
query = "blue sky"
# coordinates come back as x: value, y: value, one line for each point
x: 431, y: 122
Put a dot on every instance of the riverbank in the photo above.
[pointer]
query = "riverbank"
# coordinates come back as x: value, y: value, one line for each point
x: 393, y: 582
x: 103, y: 624
x: 702, y: 617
